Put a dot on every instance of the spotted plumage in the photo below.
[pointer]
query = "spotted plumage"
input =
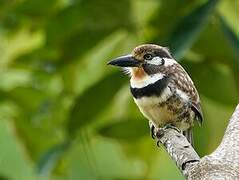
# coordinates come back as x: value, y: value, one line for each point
x: 161, y: 88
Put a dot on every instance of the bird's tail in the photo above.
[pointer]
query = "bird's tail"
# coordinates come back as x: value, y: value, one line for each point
x: 189, y: 135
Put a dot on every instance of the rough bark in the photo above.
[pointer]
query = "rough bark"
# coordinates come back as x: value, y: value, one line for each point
x: 223, y: 163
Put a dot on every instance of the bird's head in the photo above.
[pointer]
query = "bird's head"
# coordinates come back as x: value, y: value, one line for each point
x: 144, y: 60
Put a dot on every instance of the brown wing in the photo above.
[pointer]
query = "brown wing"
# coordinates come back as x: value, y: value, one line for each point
x: 182, y: 80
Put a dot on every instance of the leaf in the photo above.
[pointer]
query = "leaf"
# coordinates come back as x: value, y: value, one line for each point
x: 214, y: 81
x: 27, y: 98
x: 14, y: 78
x: 3, y: 177
x: 189, y: 28
x: 213, y: 45
x: 93, y: 101
x: 51, y: 157
x: 168, y: 14
x: 34, y: 13
x: 85, y: 23
x: 4, y: 96
x: 233, y: 39
x: 126, y: 129
x: 36, y: 8
x: 106, y: 160
x: 92, y: 65
x: 12, y: 154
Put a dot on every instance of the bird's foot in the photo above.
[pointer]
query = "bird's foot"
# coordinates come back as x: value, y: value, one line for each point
x: 161, y: 131
x: 170, y: 126
x: 152, y: 129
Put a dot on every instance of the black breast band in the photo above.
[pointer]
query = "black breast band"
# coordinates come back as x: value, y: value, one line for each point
x: 154, y: 89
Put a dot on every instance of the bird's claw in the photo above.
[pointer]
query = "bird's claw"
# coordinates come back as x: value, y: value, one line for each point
x: 152, y: 130
x: 170, y: 126
x: 161, y: 131
x: 158, y: 143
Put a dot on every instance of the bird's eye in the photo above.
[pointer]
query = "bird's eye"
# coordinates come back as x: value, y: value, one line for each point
x: 148, y: 56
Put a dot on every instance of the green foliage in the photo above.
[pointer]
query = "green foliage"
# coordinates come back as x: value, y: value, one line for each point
x: 65, y: 114
x: 189, y: 27
x: 132, y: 129
x: 89, y: 104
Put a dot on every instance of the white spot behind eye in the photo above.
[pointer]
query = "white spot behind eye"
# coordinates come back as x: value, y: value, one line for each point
x: 156, y: 61
x: 169, y: 61
x: 159, y: 61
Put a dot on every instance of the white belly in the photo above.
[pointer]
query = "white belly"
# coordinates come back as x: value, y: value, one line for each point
x: 152, y: 110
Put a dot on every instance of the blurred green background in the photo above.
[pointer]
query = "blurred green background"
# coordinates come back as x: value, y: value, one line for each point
x: 64, y: 114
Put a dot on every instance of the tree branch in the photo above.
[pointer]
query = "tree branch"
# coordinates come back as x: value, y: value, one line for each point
x: 223, y: 163
x: 179, y: 148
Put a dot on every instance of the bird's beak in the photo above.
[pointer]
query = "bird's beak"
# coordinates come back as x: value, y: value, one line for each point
x: 125, y: 61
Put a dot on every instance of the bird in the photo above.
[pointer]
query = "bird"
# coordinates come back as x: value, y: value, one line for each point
x: 162, y: 89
